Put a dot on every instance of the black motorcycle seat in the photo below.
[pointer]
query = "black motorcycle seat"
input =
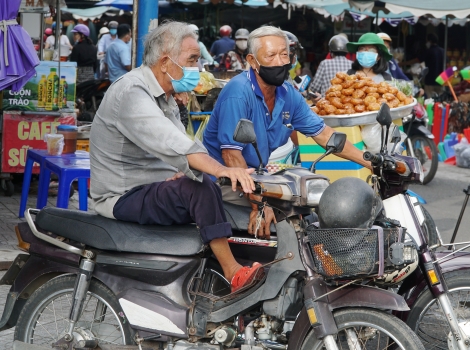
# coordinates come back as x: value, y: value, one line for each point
x: 239, y: 217
x: 107, y: 234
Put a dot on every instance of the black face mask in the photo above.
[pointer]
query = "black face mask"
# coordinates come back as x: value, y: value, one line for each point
x: 274, y: 75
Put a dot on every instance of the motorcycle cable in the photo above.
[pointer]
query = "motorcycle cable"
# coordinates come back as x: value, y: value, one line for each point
x: 265, y: 203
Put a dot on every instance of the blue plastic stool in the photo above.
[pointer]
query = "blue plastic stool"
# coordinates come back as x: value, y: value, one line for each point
x: 39, y: 156
x: 68, y: 169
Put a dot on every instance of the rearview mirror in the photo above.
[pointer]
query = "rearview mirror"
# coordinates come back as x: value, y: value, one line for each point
x: 245, y: 132
x: 336, y: 142
x: 383, y: 116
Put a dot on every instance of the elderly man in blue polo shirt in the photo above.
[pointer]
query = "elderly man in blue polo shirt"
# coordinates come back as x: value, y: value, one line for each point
x: 275, y: 108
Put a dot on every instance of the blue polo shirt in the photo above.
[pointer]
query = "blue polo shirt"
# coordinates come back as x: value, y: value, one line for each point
x: 118, y: 55
x: 242, y: 98
x: 222, y: 46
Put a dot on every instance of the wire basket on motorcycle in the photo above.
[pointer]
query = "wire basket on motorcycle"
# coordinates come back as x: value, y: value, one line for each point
x: 351, y: 253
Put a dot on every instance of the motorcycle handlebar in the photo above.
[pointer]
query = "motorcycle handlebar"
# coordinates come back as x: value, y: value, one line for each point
x: 375, y: 159
x: 225, y: 181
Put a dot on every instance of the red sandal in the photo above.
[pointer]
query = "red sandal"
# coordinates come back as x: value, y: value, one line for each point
x: 247, y: 275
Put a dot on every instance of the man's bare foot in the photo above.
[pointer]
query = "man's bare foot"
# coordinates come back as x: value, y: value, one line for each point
x: 232, y: 272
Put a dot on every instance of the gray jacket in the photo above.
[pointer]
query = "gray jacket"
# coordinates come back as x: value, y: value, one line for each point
x: 136, y: 139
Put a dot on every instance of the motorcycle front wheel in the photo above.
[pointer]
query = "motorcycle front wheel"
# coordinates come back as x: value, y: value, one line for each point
x: 367, y: 329
x: 44, y: 318
x: 426, y: 317
x: 425, y: 150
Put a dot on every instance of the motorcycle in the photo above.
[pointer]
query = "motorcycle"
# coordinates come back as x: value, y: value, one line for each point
x: 96, y: 283
x: 420, y: 141
x: 89, y: 96
x: 437, y: 291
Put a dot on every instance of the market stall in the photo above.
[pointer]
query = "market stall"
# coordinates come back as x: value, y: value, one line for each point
x: 34, y: 105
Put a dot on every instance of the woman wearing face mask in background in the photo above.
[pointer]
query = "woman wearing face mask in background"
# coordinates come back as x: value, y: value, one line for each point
x: 236, y: 59
x: 84, y: 53
x: 371, y: 59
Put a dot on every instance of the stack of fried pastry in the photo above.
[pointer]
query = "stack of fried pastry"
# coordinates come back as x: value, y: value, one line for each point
x: 350, y: 94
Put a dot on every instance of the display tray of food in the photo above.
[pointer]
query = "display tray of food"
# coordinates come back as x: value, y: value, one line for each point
x: 356, y: 99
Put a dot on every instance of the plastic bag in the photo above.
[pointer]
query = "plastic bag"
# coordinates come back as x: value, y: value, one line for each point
x: 206, y: 83
x: 371, y: 136
x: 55, y: 144
x: 462, y: 153
x: 405, y: 86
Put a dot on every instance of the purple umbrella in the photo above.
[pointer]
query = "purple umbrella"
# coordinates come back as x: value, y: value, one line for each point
x: 17, y: 54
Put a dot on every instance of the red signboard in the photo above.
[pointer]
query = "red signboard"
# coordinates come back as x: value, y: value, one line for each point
x: 22, y: 132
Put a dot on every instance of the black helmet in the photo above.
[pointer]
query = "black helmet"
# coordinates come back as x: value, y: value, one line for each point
x: 294, y: 43
x: 349, y: 203
x: 338, y: 44
x: 242, y: 33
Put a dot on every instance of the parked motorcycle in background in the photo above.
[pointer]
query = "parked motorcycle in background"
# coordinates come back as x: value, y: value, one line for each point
x: 420, y: 141
x: 92, y: 282
x: 438, y: 291
x: 89, y: 96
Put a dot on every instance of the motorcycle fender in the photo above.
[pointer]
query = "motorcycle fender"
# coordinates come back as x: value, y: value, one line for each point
x: 422, y: 129
x: 352, y: 296
x: 25, y: 276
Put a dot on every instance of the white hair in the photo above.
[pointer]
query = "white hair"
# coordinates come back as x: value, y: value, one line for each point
x: 253, y: 39
x: 166, y: 39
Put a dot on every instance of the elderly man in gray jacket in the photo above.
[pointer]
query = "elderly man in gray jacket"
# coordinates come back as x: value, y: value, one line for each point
x: 143, y: 166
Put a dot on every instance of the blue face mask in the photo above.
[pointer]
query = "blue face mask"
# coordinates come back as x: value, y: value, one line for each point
x: 188, y: 81
x: 367, y: 59
x: 113, y: 31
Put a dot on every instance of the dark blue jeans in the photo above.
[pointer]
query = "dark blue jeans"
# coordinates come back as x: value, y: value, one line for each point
x: 177, y: 202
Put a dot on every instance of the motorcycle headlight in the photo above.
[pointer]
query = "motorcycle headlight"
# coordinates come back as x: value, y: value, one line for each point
x: 315, y: 189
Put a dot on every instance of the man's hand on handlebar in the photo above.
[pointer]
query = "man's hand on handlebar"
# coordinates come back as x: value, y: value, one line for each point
x: 242, y: 176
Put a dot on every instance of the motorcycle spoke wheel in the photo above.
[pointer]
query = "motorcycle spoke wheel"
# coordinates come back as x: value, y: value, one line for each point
x: 44, y: 318
x: 431, y: 325
x: 366, y: 329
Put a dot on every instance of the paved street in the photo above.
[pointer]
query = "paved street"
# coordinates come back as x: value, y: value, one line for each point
x: 444, y: 196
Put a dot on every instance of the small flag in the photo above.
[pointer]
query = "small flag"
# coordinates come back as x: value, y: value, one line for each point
x: 446, y: 75
x: 465, y: 74
x: 357, y: 16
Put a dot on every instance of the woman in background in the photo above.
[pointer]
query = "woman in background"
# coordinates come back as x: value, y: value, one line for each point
x: 84, y: 53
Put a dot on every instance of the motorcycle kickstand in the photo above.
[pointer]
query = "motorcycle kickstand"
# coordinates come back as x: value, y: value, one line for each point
x: 462, y: 341
x: 79, y: 294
